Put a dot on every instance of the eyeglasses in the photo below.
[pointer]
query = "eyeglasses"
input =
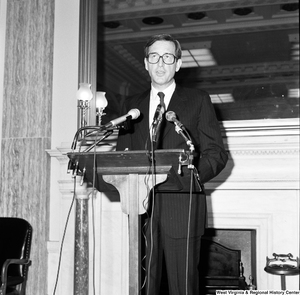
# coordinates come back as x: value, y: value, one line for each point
x: 168, y: 58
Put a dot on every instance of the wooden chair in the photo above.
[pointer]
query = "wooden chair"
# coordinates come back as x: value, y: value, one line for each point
x: 15, y: 244
x: 221, y: 268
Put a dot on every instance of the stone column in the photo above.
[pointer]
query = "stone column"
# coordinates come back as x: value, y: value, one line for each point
x: 81, y: 255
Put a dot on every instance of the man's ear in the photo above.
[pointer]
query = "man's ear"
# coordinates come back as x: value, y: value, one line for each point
x: 178, y: 64
x: 146, y: 64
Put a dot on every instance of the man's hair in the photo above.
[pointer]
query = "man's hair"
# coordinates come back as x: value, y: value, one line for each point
x: 163, y: 37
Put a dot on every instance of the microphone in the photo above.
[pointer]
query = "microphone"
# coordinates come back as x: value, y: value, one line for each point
x: 156, y: 114
x: 157, y: 121
x: 131, y: 115
x: 180, y: 129
x: 171, y: 117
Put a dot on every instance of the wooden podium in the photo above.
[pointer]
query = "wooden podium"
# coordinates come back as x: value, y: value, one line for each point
x: 125, y: 172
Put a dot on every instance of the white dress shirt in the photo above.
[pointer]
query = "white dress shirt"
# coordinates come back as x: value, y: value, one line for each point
x: 155, y: 100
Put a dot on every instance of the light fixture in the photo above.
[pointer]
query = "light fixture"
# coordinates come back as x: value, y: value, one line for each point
x: 196, y: 15
x: 295, y: 51
x: 111, y: 24
x: 221, y: 98
x: 197, y: 54
x: 101, y: 103
x: 201, y: 57
x: 294, y: 41
x: 290, y: 7
x: 153, y: 20
x: 242, y: 11
x: 293, y: 93
x: 84, y: 95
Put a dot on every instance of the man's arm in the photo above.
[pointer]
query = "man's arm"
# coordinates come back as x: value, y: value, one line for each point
x: 213, y: 156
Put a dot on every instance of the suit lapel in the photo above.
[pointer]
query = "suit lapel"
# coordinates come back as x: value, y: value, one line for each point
x: 177, y: 104
x: 143, y: 106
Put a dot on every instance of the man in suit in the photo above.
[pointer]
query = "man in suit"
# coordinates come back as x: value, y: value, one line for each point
x: 177, y: 219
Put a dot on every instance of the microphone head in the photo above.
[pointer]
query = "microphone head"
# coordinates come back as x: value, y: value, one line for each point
x: 134, y: 113
x: 170, y: 116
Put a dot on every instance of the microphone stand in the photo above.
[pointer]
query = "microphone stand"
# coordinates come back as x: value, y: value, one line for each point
x: 190, y: 156
x: 97, y: 129
x: 107, y: 134
x: 78, y: 132
x: 187, y: 139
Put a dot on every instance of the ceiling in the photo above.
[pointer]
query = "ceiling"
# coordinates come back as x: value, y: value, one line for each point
x: 251, y: 42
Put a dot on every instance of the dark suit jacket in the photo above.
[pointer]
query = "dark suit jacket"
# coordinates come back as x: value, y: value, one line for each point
x: 194, y: 109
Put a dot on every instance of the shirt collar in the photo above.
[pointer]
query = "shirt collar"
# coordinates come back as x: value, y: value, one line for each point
x: 168, y: 91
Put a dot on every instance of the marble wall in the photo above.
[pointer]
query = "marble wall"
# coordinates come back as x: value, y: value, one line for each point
x: 26, y: 108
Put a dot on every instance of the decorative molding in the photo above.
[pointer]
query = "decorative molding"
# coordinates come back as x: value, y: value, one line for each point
x: 233, y: 71
x: 240, y: 71
x: 239, y: 128
x: 263, y: 225
x: 203, y: 31
x: 115, y: 9
x: 265, y: 152
x: 264, y: 137
x: 214, y: 23
x: 115, y: 71
x: 121, y: 50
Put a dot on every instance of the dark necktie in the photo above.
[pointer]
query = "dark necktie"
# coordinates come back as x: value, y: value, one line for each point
x: 161, y: 124
x: 162, y: 103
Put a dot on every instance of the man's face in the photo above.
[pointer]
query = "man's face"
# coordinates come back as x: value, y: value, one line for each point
x: 160, y: 73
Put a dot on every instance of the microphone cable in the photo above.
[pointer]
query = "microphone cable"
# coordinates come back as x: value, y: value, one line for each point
x: 152, y: 214
x: 188, y: 233
x: 63, y: 237
x: 145, y: 225
x: 151, y: 156
x: 93, y: 209
x: 194, y: 174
